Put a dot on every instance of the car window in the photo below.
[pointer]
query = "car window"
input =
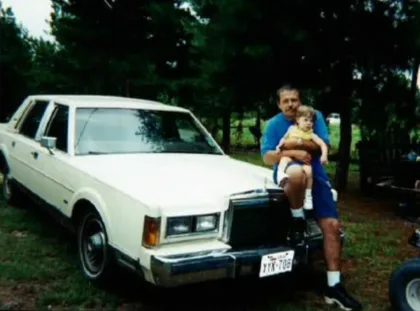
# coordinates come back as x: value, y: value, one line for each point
x: 58, y: 126
x: 187, y: 131
x: 33, y: 119
x: 23, y: 114
x: 123, y: 130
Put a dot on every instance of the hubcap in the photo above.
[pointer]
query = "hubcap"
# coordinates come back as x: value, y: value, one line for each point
x: 93, y: 246
x: 413, y: 294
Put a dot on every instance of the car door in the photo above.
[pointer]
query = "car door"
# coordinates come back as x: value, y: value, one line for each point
x: 24, y: 143
x: 54, y: 177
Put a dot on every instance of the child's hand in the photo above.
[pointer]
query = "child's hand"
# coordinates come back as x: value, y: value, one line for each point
x: 324, y: 159
x: 278, y: 148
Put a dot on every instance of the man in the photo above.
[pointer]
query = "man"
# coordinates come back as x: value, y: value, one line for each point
x: 288, y: 100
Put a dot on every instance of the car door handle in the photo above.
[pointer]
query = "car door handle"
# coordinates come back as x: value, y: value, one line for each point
x: 13, y: 144
x: 34, y: 154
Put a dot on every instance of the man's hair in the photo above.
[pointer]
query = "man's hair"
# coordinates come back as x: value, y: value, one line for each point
x: 305, y: 111
x: 285, y: 87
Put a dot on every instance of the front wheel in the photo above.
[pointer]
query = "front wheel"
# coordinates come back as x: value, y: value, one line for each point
x: 404, y: 286
x: 94, y: 253
x: 9, y: 190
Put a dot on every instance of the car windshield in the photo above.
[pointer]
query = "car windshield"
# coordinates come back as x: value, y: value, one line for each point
x: 121, y: 130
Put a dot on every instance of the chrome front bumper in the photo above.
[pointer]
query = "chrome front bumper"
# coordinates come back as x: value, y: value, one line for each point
x: 176, y: 270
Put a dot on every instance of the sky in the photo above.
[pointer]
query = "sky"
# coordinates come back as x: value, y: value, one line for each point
x: 33, y: 15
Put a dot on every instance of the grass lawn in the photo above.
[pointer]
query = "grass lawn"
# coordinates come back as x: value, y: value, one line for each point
x: 39, y: 267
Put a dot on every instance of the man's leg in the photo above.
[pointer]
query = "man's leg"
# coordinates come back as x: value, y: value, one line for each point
x: 332, y: 249
x: 326, y: 211
x: 295, y: 191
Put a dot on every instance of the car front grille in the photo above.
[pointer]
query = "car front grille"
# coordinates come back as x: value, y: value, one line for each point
x: 257, y: 220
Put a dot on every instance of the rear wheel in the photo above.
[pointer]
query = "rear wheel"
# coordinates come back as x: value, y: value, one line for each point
x: 95, y: 256
x: 404, y: 286
x: 10, y: 191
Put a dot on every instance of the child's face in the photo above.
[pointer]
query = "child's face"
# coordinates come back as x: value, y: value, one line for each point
x: 305, y: 123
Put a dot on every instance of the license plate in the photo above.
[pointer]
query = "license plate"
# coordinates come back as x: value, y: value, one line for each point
x: 276, y: 263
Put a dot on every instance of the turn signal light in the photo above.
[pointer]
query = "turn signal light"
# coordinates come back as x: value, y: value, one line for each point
x: 151, y: 231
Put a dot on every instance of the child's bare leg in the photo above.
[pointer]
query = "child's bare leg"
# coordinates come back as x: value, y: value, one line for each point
x: 282, y: 177
x: 308, y: 205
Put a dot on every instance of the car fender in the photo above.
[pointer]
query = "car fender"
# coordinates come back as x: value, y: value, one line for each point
x: 94, y: 198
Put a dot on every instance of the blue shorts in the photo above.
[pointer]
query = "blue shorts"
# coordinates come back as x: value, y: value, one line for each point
x: 323, y: 202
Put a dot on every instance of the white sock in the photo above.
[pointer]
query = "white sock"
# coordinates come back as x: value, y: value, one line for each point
x: 333, y: 277
x: 308, y: 205
x: 298, y: 213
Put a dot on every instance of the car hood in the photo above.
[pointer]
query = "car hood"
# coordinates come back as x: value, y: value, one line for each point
x: 176, y: 183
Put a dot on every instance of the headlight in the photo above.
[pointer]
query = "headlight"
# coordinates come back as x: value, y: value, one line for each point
x: 192, y: 224
x: 206, y: 223
x: 178, y: 225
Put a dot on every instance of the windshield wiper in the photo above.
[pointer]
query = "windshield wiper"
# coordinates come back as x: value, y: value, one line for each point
x: 97, y: 152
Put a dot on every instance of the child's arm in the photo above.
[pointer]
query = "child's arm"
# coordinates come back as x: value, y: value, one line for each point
x: 282, y: 140
x: 324, y: 148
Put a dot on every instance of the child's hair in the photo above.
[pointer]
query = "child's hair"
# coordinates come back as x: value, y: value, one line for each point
x: 305, y: 111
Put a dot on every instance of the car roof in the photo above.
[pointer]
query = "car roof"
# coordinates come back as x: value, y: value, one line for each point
x: 98, y: 101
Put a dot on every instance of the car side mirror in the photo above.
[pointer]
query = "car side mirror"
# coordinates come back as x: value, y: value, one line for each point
x: 49, y: 143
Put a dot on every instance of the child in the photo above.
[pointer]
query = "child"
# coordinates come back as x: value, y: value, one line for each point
x: 302, y: 130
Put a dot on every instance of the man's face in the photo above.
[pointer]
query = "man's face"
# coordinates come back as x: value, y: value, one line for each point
x: 289, y: 103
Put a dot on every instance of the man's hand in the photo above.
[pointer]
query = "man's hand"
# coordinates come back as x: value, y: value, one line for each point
x: 303, y: 156
x: 309, y: 146
x: 273, y: 157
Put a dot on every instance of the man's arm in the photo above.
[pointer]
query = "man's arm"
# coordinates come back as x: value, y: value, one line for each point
x: 273, y: 157
x: 269, y: 141
x: 308, y: 146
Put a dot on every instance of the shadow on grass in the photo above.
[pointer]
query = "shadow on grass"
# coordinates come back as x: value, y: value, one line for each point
x: 37, y: 250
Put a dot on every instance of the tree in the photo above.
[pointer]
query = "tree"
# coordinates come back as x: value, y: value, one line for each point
x: 15, y: 63
x: 131, y: 48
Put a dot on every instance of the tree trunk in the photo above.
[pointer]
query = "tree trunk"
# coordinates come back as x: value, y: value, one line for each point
x: 226, y: 130
x: 258, y: 126
x: 413, y: 87
x: 344, y: 149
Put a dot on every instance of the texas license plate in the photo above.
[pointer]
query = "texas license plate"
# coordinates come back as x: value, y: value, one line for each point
x: 276, y: 263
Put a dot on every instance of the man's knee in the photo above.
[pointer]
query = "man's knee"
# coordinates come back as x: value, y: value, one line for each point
x: 330, y: 226
x: 295, y: 172
x: 297, y: 177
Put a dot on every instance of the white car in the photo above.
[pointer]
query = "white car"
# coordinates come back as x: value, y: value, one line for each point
x: 145, y: 186
x: 333, y: 118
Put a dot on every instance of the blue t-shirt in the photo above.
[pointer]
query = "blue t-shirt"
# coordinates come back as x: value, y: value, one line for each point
x: 277, y: 127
